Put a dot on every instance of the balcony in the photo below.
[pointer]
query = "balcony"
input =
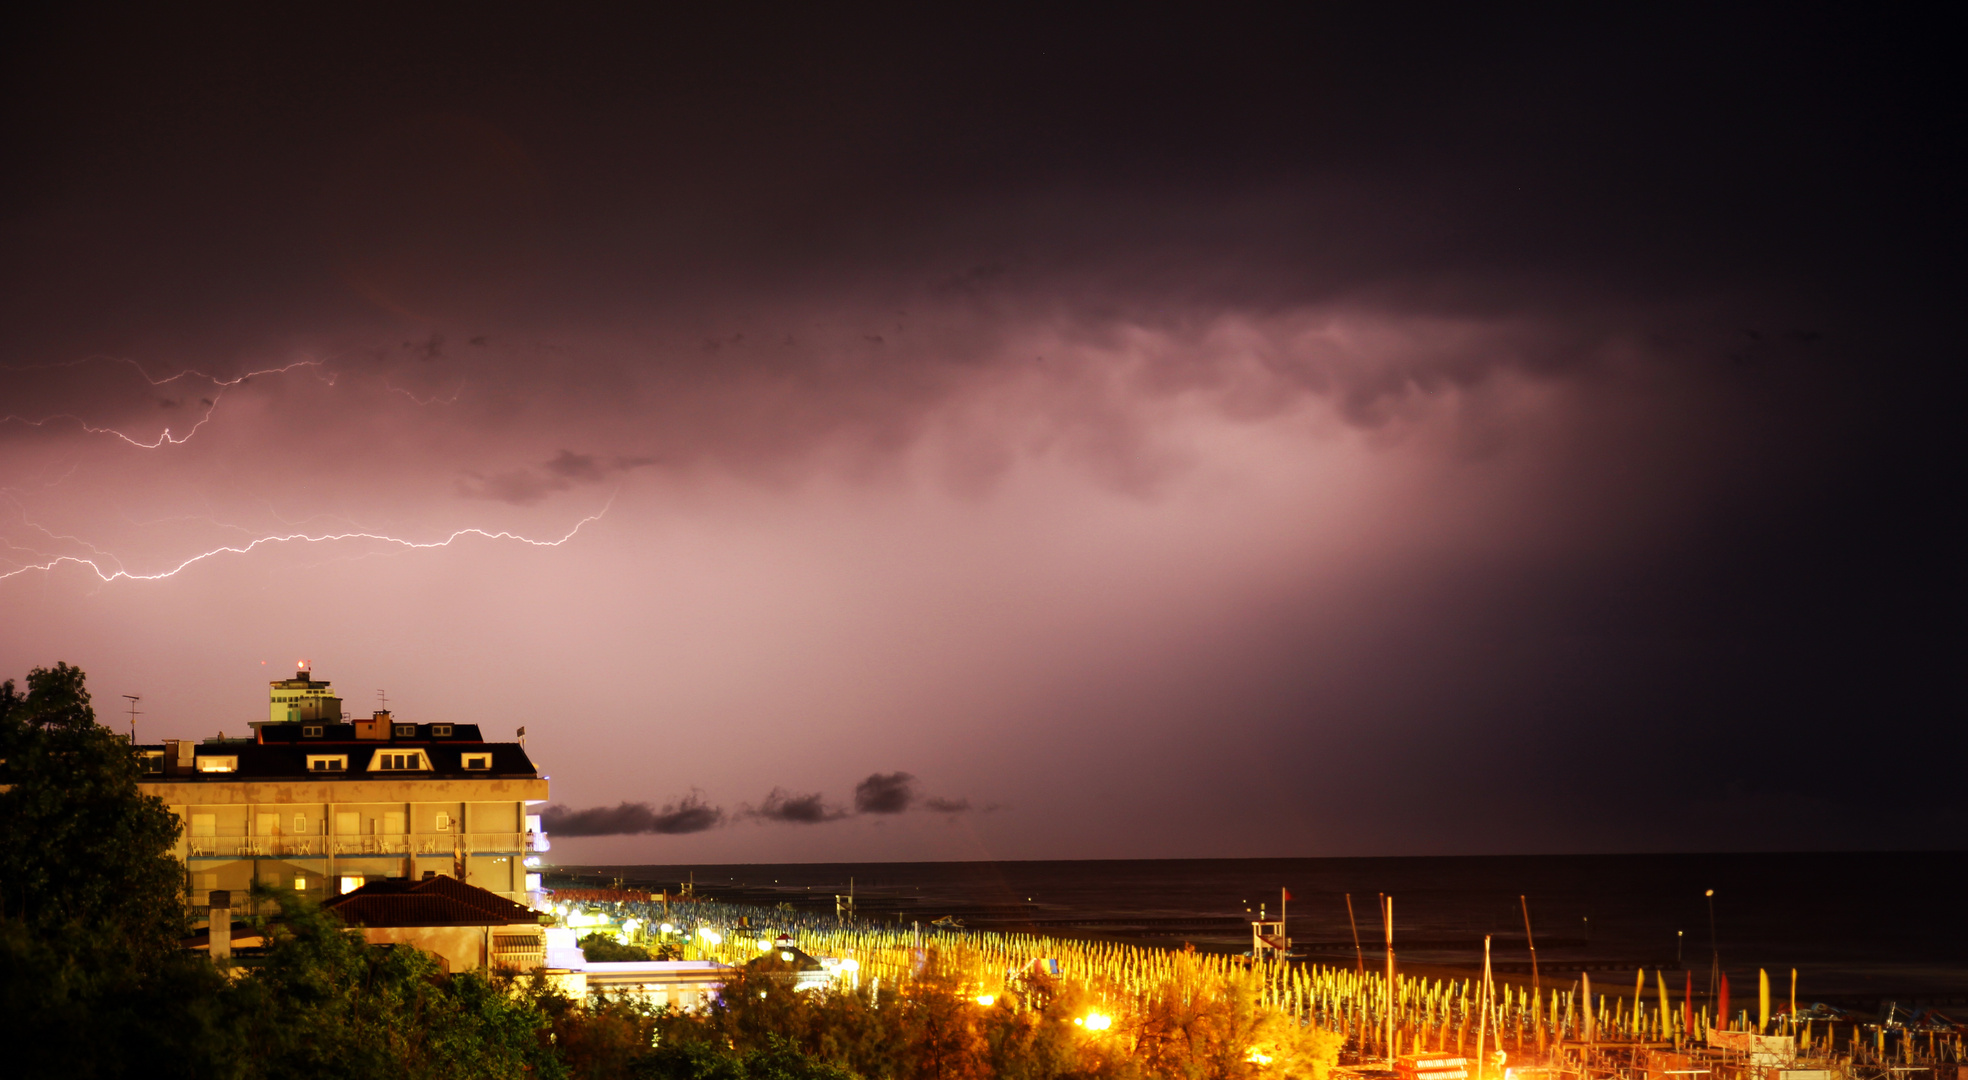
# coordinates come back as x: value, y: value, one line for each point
x: 224, y: 844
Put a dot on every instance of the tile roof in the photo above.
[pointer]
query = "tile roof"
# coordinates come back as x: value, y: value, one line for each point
x: 434, y: 901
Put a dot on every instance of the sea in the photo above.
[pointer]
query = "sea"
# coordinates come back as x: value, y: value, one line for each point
x: 1859, y: 929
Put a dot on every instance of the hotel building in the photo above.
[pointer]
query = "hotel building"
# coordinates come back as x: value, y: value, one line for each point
x: 315, y: 802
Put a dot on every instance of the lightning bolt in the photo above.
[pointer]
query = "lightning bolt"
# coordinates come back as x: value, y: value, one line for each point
x: 433, y: 399
x: 211, y: 406
x: 290, y: 538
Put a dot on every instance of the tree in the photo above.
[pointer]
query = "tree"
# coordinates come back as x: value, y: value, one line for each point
x: 88, y: 856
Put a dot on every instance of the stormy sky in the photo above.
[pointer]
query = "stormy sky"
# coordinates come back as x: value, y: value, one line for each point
x: 916, y: 434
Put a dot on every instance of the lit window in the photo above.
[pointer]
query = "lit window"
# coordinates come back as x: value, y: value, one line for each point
x: 218, y: 764
x: 311, y: 731
x: 393, y: 762
x: 327, y: 762
x: 300, y: 827
x: 478, y: 761
x: 352, y: 883
x: 441, y: 731
x: 443, y: 822
x: 300, y: 884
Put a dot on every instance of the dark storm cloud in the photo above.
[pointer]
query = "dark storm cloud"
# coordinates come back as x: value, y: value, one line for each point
x: 690, y: 814
x: 524, y: 487
x: 1709, y: 257
x: 941, y: 805
x: 895, y: 793
x: 885, y: 793
x: 788, y: 808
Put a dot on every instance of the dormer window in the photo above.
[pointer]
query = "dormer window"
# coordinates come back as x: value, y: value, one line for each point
x: 151, y: 762
x: 406, y: 731
x: 327, y: 763
x: 478, y: 761
x: 394, y: 761
x: 441, y: 731
x: 310, y: 731
x: 214, y: 763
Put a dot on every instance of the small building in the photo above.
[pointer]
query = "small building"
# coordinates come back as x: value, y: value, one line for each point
x: 683, y: 985
x: 466, y: 927
x: 789, y: 964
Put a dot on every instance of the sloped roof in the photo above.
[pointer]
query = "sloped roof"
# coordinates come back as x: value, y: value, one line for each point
x: 434, y: 901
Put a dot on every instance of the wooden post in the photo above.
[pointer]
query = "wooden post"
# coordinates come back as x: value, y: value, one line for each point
x: 1483, y: 1004
x: 1387, y: 921
x: 1350, y: 921
x: 1536, y: 996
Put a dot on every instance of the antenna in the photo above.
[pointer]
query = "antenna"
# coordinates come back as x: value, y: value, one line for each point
x: 134, y: 698
x: 384, y: 699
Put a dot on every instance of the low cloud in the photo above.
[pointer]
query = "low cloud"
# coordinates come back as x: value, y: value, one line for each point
x: 690, y: 814
x: 784, y: 806
x: 885, y: 793
x: 895, y: 793
x: 880, y: 794
x: 524, y: 487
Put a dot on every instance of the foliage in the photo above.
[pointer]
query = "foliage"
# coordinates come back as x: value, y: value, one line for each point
x: 327, y: 1004
x: 599, y: 948
x: 88, y: 859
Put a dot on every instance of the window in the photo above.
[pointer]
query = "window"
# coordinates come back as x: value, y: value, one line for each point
x: 406, y: 731
x: 443, y: 822
x: 441, y: 731
x: 327, y: 762
x: 300, y: 884
x: 351, y: 883
x: 478, y: 761
x: 218, y: 764
x: 205, y: 825
x: 300, y: 827
x: 392, y: 761
x: 152, y: 762
x: 311, y: 731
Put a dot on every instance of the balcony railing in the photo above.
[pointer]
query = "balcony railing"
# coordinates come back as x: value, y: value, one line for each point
x: 237, y: 845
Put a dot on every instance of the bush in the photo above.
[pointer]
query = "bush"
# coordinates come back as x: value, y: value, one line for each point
x: 599, y: 948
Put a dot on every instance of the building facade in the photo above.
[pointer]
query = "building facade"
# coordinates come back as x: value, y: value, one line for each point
x: 323, y: 805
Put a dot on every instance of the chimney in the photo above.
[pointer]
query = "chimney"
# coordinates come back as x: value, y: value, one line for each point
x: 221, y: 933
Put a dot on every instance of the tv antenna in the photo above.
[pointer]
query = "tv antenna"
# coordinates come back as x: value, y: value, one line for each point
x: 134, y: 698
x: 383, y: 699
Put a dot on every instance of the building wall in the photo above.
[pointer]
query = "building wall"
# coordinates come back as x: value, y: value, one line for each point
x: 241, y: 831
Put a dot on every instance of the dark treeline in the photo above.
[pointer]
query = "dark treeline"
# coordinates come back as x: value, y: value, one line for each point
x: 95, y: 983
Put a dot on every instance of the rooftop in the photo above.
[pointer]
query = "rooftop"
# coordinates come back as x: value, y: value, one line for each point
x: 435, y: 901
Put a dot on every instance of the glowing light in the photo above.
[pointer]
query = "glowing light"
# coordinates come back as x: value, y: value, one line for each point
x: 412, y: 545
x: 1257, y: 1058
x: 1096, y: 1021
x: 786, y: 956
x: 668, y: 928
x: 987, y: 1000
x: 706, y: 934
